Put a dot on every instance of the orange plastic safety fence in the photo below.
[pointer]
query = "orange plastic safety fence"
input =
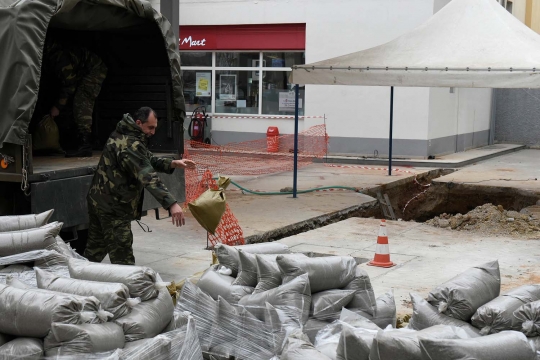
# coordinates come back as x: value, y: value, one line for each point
x: 255, y: 157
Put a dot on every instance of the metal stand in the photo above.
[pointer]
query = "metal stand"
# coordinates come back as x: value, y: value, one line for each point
x: 295, y: 171
x: 391, y: 130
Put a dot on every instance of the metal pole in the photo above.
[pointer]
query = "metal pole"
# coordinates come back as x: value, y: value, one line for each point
x: 295, y: 174
x: 391, y: 130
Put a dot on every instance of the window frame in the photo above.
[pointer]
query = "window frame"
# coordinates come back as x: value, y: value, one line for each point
x: 260, y: 69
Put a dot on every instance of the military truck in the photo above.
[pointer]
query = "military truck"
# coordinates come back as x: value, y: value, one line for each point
x: 140, y: 49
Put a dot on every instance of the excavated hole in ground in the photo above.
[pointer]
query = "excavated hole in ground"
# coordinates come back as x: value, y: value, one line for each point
x: 422, y: 203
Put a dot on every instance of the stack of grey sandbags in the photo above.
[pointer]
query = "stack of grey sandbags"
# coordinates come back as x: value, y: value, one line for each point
x: 307, y: 293
x: 57, y: 304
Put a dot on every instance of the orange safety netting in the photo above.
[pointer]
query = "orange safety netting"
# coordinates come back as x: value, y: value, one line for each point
x: 247, y: 158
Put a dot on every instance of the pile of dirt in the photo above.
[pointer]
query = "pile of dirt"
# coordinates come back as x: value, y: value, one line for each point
x: 491, y: 219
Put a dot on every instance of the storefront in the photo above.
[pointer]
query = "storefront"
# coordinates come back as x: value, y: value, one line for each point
x: 236, y: 57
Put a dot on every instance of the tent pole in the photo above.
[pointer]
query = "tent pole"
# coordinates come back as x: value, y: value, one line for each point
x: 295, y: 174
x: 391, y: 130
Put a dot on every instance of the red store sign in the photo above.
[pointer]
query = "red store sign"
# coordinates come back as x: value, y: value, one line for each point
x: 243, y: 37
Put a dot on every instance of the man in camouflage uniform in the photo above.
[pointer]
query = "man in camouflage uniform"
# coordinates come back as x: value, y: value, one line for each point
x: 81, y: 73
x: 115, y: 198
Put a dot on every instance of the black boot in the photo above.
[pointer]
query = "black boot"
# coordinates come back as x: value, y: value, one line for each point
x: 85, y: 147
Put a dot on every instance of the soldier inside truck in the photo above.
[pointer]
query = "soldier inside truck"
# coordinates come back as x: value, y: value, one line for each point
x: 121, y: 70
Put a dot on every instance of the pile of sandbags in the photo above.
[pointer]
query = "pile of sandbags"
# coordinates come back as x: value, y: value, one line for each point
x: 54, y: 303
x: 265, y: 293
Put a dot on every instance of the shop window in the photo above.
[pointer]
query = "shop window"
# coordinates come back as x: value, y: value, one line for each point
x: 278, y: 94
x: 193, y: 58
x: 236, y: 92
x: 283, y: 59
x: 237, y: 59
x: 197, y: 89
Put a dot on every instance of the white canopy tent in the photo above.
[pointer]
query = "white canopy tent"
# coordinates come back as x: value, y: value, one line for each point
x: 468, y: 44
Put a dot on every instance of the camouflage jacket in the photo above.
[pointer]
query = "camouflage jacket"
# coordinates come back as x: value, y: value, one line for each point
x: 70, y: 64
x: 125, y: 169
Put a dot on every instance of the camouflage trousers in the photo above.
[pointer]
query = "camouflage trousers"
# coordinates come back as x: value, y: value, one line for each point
x: 107, y: 235
x: 85, y: 97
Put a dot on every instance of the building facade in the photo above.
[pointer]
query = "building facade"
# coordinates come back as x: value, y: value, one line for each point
x: 236, y: 57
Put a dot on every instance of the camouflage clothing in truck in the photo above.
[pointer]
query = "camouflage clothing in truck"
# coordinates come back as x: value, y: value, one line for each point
x: 115, y: 197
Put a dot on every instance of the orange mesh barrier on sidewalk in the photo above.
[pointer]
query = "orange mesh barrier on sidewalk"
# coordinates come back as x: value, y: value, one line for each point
x: 246, y: 158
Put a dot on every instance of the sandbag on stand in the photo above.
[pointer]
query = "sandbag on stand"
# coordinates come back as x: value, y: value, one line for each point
x: 228, y: 255
x: 295, y: 295
x: 141, y: 281
x: 528, y: 318
x: 66, y: 339
x: 505, y: 345
x: 425, y: 316
x: 149, y: 318
x: 16, y: 242
x: 22, y: 348
x: 325, y: 273
x: 24, y: 222
x: 114, y: 297
x: 31, y: 312
x: 216, y: 284
x: 498, y: 314
x: 461, y: 296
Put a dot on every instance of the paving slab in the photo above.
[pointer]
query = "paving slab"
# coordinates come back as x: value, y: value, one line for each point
x: 518, y: 170
x: 425, y: 256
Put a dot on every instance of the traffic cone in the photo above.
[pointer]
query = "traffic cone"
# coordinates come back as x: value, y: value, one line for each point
x: 382, y: 251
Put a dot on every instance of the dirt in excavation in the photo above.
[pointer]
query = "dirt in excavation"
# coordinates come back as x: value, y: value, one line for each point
x: 493, y: 220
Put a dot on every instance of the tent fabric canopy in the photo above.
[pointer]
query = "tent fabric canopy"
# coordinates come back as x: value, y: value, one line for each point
x: 468, y: 43
x: 23, y: 28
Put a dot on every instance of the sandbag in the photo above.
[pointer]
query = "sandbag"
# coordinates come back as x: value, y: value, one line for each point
x: 498, y: 314
x: 149, y: 318
x: 298, y: 347
x: 15, y: 269
x: 90, y: 303
x: 405, y: 345
x: 30, y: 313
x: 357, y: 321
x: 224, y: 332
x: 61, y: 247
x: 203, y: 309
x: 327, y: 305
x: 24, y: 222
x: 65, y: 339
x: 248, y: 271
x: 20, y: 241
x: 22, y: 348
x: 281, y: 326
x: 114, y: 297
x: 51, y: 260
x: 461, y: 296
x: 180, y: 319
x: 501, y: 346
x: 312, y: 328
x: 355, y: 343
x: 325, y: 273
x: 327, y: 339
x: 140, y: 280
x: 426, y: 315
x: 46, y: 135
x: 528, y: 319
x: 268, y: 274
x: 295, y: 296
x: 228, y: 255
x: 156, y: 348
x: 215, y: 284
x: 208, y: 209
x: 364, y: 298
x: 385, y: 313
x: 535, y: 343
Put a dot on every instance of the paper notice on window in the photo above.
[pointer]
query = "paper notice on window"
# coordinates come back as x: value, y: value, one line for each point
x: 203, y: 84
x: 286, y: 101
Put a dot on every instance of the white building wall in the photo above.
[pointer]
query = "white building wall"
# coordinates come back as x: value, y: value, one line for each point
x: 357, y: 118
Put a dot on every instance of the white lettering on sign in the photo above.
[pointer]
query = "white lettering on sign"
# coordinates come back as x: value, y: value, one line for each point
x: 191, y: 42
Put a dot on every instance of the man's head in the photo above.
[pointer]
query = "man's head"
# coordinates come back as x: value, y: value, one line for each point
x: 146, y: 119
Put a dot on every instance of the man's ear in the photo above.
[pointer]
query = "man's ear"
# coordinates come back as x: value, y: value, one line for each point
x: 138, y: 122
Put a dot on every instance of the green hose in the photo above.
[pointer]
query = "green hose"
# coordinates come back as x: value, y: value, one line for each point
x: 290, y: 192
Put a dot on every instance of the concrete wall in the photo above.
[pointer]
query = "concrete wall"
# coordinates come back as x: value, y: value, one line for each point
x: 517, y: 118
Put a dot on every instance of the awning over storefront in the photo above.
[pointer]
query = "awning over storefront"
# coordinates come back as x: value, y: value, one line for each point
x: 469, y: 43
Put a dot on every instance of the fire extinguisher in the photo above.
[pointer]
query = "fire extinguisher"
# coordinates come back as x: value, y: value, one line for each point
x: 197, y: 126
